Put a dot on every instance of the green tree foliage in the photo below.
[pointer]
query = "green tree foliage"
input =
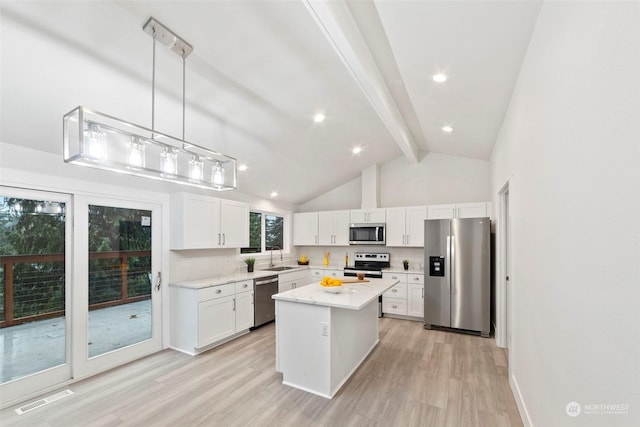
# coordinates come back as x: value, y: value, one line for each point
x: 274, y: 231
x: 25, y: 229
x: 38, y: 287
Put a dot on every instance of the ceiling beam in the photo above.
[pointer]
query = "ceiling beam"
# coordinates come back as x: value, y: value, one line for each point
x: 337, y: 24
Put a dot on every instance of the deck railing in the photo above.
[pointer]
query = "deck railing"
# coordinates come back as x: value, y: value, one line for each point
x: 33, y: 286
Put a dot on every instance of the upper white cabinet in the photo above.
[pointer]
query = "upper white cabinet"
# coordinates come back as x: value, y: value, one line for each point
x: 234, y: 224
x: 460, y: 210
x: 333, y: 228
x: 405, y: 226
x: 305, y: 229
x: 367, y: 215
x: 202, y: 222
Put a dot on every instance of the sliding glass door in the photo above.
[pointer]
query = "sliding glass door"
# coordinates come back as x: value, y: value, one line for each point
x: 120, y: 282
x: 35, y: 271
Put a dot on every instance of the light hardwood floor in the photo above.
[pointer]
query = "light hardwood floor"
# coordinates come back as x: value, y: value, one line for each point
x: 413, y: 377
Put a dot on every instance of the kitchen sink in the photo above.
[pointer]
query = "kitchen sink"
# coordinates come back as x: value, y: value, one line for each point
x: 281, y: 268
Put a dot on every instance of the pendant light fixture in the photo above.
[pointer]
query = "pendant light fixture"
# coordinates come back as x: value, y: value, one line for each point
x: 101, y: 141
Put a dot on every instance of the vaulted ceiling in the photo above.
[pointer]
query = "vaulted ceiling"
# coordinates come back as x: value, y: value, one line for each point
x: 261, y: 70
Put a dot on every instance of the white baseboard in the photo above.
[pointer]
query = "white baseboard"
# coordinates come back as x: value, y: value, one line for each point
x: 522, y: 408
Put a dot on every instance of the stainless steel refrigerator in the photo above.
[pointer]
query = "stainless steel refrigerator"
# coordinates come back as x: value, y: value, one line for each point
x: 457, y: 274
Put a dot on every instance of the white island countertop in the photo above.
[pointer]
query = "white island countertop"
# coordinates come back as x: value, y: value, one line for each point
x: 352, y: 296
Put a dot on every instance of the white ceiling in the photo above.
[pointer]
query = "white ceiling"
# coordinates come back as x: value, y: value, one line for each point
x: 259, y: 72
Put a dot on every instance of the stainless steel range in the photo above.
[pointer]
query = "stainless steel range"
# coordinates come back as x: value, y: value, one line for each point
x: 371, y: 264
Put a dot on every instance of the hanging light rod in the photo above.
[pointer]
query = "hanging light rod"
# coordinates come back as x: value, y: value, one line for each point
x: 105, y: 142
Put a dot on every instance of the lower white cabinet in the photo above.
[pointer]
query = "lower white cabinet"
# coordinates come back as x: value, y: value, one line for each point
x: 200, y: 318
x: 407, y: 297
x: 292, y: 280
x: 319, y: 273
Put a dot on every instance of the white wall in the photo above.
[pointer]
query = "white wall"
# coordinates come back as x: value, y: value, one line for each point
x: 570, y: 146
x: 437, y: 178
x: 346, y: 196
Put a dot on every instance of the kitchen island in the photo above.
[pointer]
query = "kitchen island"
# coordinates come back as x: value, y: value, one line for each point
x: 322, y: 338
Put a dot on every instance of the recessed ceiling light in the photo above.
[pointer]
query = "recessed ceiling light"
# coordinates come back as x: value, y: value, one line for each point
x: 242, y: 167
x: 318, y: 118
x: 447, y: 129
x: 274, y: 194
x: 356, y: 150
x: 440, y: 78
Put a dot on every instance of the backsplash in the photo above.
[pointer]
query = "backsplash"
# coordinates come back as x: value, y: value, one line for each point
x: 204, y: 263
x: 337, y: 253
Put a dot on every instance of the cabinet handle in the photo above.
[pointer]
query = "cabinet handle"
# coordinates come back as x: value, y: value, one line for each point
x: 218, y: 291
x: 394, y: 306
x: 316, y: 239
x: 394, y: 277
x: 422, y: 292
x: 416, y: 278
x: 407, y: 242
x: 224, y: 239
x: 218, y: 239
x: 234, y: 304
x: 245, y: 285
x: 394, y: 290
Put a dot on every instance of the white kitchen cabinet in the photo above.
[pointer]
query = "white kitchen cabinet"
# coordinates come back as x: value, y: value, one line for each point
x: 406, y: 298
x: 415, y: 300
x: 216, y: 320
x: 333, y: 228
x: 415, y: 295
x: 319, y: 273
x: 234, y: 224
x: 359, y: 216
x: 405, y: 226
x: 202, y: 318
x: 194, y: 221
x: 459, y: 210
x: 244, y: 311
x: 202, y: 222
x: 394, y: 301
x: 305, y: 229
x: 292, y: 280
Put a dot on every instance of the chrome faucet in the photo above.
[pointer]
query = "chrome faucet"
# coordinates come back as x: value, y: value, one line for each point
x: 271, y: 260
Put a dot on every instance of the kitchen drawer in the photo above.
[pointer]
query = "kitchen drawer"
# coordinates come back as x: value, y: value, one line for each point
x: 394, y: 305
x: 398, y: 291
x: 395, y: 276
x: 320, y: 273
x: 244, y: 286
x: 216, y: 292
x: 416, y: 279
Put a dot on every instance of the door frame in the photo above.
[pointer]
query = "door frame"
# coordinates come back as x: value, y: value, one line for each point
x: 503, y: 232
x: 83, y: 365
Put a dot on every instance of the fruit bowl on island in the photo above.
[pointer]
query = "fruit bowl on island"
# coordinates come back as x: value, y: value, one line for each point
x: 331, y: 285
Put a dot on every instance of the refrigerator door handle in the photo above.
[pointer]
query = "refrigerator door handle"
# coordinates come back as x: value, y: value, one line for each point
x: 449, y: 266
x: 452, y: 265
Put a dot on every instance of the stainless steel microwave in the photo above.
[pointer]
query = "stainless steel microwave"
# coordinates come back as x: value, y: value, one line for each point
x: 367, y: 234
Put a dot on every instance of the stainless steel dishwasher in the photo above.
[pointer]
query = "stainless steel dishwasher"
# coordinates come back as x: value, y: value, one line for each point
x: 265, y: 306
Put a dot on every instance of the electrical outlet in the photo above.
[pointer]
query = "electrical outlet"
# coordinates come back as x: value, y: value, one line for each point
x: 325, y: 329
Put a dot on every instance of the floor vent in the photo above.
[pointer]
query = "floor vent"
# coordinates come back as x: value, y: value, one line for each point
x: 45, y: 401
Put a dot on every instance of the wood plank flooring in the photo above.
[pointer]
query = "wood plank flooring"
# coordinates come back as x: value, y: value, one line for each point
x: 414, y: 377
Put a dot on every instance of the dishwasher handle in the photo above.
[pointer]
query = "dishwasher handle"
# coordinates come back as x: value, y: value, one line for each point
x: 266, y: 281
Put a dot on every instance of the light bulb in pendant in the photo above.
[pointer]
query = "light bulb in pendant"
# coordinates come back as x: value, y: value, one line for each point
x: 136, y: 153
x: 195, y: 168
x: 169, y: 162
x: 217, y: 174
x: 95, y: 143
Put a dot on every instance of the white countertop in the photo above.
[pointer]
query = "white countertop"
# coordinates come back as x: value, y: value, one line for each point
x: 223, y: 280
x: 353, y: 296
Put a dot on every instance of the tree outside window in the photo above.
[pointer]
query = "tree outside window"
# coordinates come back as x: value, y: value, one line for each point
x: 266, y: 231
